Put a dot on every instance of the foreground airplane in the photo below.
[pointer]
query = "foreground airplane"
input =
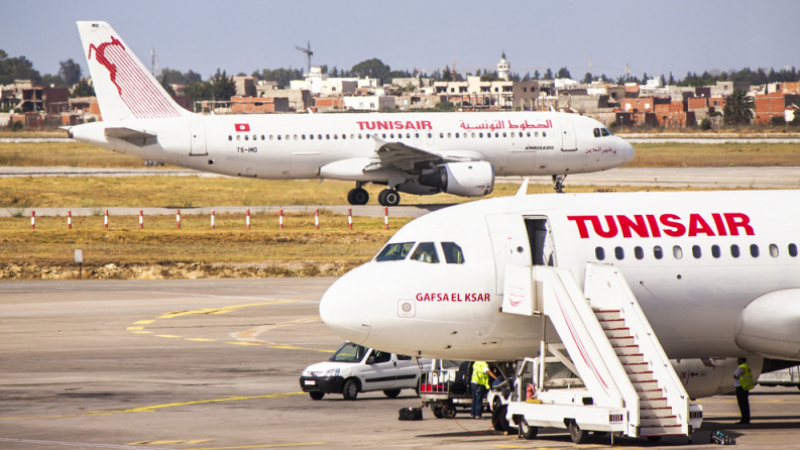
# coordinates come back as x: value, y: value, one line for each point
x: 415, y: 153
x: 715, y: 273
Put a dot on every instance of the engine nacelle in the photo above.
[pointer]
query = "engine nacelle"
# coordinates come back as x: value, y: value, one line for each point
x: 770, y: 325
x: 465, y: 179
x: 712, y: 377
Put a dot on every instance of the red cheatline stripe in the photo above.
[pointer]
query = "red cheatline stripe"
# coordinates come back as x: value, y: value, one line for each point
x: 143, y: 98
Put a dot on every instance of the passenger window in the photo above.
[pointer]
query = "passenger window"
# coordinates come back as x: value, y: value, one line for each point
x: 792, y: 250
x: 238, y: 137
x: 597, y: 132
x: 696, y: 252
x: 255, y: 138
x: 457, y: 135
x: 480, y: 135
x: 677, y: 252
x: 395, y: 252
x: 295, y: 137
x: 504, y: 134
x: 264, y: 138
x: 336, y: 136
x: 735, y: 251
x: 658, y: 253
x: 452, y: 253
x: 535, y: 134
x: 391, y: 135
x: 425, y: 252
x: 319, y: 136
x: 230, y: 138
x: 279, y: 137
x: 441, y: 135
x: 381, y: 357
x: 246, y: 137
x: 311, y: 136
x: 638, y: 252
x: 754, y: 251
x: 715, y: 252
x: 287, y: 137
x: 416, y: 135
x: 430, y: 135
x: 599, y: 253
x: 449, y: 135
x: 773, y: 250
x: 619, y: 253
x: 359, y: 135
x: 488, y: 135
x: 544, y: 133
x: 512, y: 134
x: 327, y: 136
x: 384, y: 135
x: 408, y: 135
x: 304, y: 137
x: 344, y: 136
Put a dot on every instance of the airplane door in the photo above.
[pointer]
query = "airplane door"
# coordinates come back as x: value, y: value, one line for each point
x: 381, y: 374
x: 568, y: 140
x: 198, y: 147
x: 510, y: 244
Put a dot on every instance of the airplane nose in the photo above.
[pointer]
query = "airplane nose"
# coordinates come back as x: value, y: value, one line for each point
x: 346, y: 309
x: 627, y: 151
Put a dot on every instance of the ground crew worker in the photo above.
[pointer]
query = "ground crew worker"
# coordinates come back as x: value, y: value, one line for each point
x: 743, y: 382
x: 480, y: 384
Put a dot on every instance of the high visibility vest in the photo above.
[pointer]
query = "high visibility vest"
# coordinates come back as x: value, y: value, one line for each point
x: 746, y: 379
x: 479, y: 375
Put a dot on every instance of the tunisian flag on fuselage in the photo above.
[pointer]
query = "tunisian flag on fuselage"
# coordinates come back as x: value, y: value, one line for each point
x: 242, y: 127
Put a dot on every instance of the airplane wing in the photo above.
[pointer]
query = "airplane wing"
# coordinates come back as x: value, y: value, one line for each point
x: 405, y: 157
x: 139, y: 138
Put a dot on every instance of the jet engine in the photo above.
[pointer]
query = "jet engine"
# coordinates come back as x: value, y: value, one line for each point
x: 465, y: 179
x: 770, y: 325
x: 704, y: 378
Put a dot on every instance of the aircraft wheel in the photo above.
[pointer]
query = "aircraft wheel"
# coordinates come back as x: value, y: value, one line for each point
x: 389, y: 197
x: 357, y: 197
x: 577, y: 435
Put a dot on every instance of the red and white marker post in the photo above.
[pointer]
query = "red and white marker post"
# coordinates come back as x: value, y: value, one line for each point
x: 316, y: 218
x: 141, y: 219
x: 33, y: 220
x: 350, y: 218
x: 386, y: 217
x: 213, y: 227
x: 247, y: 219
x: 69, y: 220
x: 178, y: 218
x: 280, y: 218
x: 105, y: 219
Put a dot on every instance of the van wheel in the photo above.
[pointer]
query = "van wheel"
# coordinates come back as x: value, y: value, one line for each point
x: 577, y: 435
x: 316, y: 395
x: 350, y: 390
x: 437, y: 411
x: 499, y: 418
x: 391, y: 393
x: 527, y: 431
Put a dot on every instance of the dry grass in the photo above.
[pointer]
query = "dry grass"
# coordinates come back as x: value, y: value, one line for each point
x: 715, y: 155
x: 160, y: 242
x: 63, y: 154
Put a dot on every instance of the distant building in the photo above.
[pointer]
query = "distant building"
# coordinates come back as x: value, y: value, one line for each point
x: 245, y: 86
x: 319, y: 83
x: 259, y: 105
x: 477, y: 94
x: 769, y: 106
x: 369, y: 103
x: 504, y: 68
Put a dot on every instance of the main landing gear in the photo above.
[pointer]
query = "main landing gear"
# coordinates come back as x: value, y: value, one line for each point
x: 559, y: 181
x: 389, y: 197
x: 358, y: 196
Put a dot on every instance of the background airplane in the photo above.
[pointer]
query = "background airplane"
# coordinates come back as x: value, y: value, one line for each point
x: 415, y: 153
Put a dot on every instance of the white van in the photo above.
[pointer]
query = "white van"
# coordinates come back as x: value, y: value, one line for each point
x: 354, y: 368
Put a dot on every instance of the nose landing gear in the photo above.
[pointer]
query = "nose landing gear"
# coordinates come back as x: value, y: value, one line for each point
x: 358, y: 196
x: 389, y: 197
x: 559, y: 181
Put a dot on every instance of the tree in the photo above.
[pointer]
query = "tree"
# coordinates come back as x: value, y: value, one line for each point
x: 738, y: 109
x: 671, y: 79
x: 18, y: 68
x: 705, y: 124
x: 644, y: 78
x: 796, y: 120
x: 223, y: 86
x: 178, y: 77
x: 587, y: 79
x: 167, y: 86
x: 663, y: 80
x: 282, y: 76
x: 527, y: 77
x: 373, y: 68
x: 563, y: 73
x: 70, y: 71
x: 445, y: 106
x: 82, y: 89
x: 447, y: 75
x: 536, y: 75
x: 548, y: 74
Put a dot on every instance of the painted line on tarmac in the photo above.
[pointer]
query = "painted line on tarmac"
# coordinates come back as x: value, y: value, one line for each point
x: 77, y: 444
x: 171, y: 442
x: 297, y: 444
x: 153, y: 408
x: 251, y: 336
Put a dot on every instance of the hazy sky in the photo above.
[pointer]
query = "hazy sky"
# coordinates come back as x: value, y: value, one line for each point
x: 245, y: 35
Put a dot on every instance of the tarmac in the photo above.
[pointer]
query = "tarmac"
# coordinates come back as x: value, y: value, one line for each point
x: 214, y: 364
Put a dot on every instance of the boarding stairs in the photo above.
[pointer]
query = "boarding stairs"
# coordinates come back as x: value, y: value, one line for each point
x: 610, y: 343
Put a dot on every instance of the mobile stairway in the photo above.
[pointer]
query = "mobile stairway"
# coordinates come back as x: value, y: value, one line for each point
x: 630, y: 387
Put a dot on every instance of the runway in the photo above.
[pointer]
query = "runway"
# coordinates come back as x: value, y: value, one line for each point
x: 214, y: 364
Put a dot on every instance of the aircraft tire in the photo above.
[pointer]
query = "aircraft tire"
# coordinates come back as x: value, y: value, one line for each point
x: 357, y: 197
x: 389, y: 197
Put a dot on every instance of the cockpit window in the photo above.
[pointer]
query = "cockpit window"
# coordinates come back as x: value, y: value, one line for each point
x: 395, y: 252
x: 425, y: 252
x: 597, y: 132
x: 349, y: 352
x: 452, y: 253
x: 606, y: 132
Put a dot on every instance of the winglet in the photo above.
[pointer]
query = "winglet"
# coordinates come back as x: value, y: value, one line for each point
x: 552, y: 109
x: 523, y: 188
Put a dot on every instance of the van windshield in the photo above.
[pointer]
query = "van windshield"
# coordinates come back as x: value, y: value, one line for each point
x: 349, y: 352
x: 395, y: 252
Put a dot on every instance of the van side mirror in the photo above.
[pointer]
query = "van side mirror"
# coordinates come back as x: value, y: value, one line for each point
x: 371, y: 360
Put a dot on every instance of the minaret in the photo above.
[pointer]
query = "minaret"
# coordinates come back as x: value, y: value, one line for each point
x: 503, y: 67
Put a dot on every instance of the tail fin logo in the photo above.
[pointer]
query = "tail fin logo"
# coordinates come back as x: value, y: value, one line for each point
x: 137, y: 89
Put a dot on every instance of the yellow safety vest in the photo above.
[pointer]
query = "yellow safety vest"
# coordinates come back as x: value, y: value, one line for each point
x: 479, y: 375
x: 746, y: 379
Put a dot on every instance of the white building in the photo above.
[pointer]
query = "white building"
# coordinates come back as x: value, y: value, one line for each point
x: 504, y: 68
x: 369, y: 103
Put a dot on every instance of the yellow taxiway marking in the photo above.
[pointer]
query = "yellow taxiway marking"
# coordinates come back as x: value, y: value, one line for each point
x: 135, y: 328
x: 171, y: 442
x: 200, y: 339
x: 168, y: 335
x: 144, y: 322
x: 296, y: 444
x: 223, y: 310
x: 241, y: 343
x: 143, y: 332
x: 153, y: 408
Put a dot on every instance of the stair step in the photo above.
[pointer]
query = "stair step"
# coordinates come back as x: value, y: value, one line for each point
x: 634, y: 358
x: 619, y: 331
x: 641, y: 376
x: 620, y: 339
x: 645, y: 394
x: 607, y: 314
x: 668, y: 430
x: 657, y: 414
x: 631, y: 349
x: 659, y: 422
x: 653, y: 403
x: 611, y: 322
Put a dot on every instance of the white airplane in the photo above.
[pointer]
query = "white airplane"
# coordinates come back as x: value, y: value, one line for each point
x: 715, y: 273
x: 415, y: 153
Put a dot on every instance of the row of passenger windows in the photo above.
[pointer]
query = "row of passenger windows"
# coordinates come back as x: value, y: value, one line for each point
x: 425, y: 252
x: 303, y: 137
x: 697, y: 252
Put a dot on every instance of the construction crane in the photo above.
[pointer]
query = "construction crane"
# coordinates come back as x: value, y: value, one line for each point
x: 309, y: 53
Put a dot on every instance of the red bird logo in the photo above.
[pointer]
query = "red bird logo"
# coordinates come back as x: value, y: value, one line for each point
x: 100, y: 56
